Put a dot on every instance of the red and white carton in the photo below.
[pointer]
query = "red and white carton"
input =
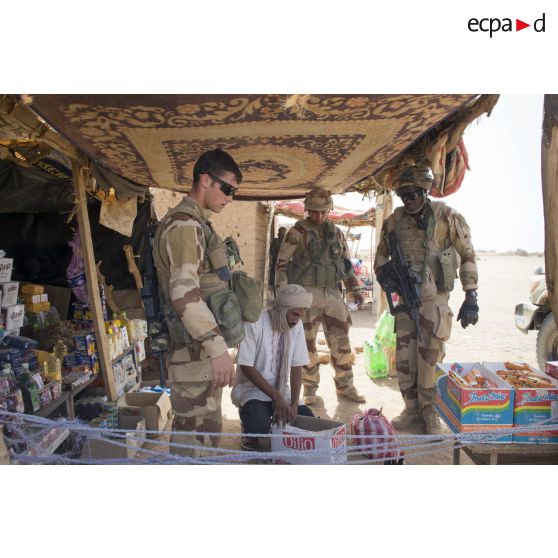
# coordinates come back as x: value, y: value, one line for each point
x: 551, y: 369
x: 313, y: 441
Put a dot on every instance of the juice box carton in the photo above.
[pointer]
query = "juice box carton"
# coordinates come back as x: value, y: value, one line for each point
x: 475, y: 409
x: 532, y: 405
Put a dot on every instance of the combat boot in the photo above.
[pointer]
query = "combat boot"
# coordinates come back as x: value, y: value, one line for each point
x: 407, y: 418
x: 352, y: 394
x: 309, y: 397
x: 432, y: 422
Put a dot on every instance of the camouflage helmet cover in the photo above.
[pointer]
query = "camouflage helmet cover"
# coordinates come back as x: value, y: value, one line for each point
x: 420, y: 176
x: 318, y: 199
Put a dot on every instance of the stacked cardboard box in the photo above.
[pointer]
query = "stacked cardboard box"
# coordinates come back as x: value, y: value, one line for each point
x: 532, y: 405
x: 474, y: 409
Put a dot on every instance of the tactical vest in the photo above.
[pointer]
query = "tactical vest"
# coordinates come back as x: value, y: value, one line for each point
x: 214, y: 274
x: 429, y: 252
x: 319, y: 260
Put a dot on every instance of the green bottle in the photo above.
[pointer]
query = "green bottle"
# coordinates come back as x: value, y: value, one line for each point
x: 29, y: 390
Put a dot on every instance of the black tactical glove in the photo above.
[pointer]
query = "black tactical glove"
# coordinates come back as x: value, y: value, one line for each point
x: 469, y: 311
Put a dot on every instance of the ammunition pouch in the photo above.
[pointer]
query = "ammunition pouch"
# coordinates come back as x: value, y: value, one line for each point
x: 446, y: 280
x: 177, y: 331
x: 225, y: 308
x: 249, y: 293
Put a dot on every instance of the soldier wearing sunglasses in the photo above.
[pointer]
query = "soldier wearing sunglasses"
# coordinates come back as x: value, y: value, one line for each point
x: 191, y: 265
x: 431, y: 235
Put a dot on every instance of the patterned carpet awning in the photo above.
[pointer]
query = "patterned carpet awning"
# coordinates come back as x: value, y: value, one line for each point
x: 333, y: 141
x: 295, y: 209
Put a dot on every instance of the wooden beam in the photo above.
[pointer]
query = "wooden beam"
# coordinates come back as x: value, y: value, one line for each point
x: 80, y: 175
x: 549, y: 163
x: 267, y: 265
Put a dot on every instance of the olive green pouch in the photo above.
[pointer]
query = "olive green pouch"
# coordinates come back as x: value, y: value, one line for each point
x: 249, y: 293
x: 448, y: 265
x: 225, y: 308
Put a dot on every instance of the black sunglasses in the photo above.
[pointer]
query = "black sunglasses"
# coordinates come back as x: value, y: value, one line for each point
x: 410, y: 196
x: 226, y: 188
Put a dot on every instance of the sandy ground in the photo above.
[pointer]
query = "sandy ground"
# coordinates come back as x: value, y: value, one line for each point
x: 503, y: 283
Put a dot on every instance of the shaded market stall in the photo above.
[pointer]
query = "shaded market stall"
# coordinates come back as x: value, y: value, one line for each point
x: 285, y: 145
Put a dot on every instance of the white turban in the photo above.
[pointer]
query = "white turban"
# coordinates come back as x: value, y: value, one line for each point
x: 292, y: 296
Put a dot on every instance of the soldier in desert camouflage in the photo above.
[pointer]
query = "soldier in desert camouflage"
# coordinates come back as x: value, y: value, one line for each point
x: 192, y: 264
x: 430, y: 234
x: 314, y: 254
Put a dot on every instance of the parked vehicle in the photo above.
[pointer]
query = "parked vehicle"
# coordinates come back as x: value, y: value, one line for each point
x: 536, y: 315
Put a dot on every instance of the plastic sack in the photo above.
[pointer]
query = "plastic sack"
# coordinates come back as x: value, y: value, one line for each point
x: 376, y: 432
x: 379, y: 355
x: 76, y: 270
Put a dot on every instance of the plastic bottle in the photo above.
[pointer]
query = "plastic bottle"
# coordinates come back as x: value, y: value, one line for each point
x: 60, y: 350
x: 53, y: 368
x: 8, y: 373
x: 29, y: 390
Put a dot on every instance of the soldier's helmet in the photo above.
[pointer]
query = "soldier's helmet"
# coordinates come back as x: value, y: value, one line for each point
x: 318, y: 199
x: 420, y: 176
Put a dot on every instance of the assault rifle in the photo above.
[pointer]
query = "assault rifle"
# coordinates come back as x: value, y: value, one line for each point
x: 396, y: 276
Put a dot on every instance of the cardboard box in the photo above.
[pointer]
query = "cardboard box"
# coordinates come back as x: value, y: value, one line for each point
x: 104, y: 449
x: 32, y: 299
x: 311, y: 435
x: 9, y: 293
x: 85, y: 343
x: 6, y: 265
x: 155, y: 408
x: 474, y: 409
x: 31, y: 289
x: 13, y: 318
x: 34, y: 307
x: 532, y: 406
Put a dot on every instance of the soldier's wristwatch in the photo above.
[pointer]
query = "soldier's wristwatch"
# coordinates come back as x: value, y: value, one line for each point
x: 471, y: 293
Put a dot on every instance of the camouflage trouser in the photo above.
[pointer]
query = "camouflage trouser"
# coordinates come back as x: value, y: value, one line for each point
x: 416, y: 360
x: 197, y: 408
x: 328, y: 306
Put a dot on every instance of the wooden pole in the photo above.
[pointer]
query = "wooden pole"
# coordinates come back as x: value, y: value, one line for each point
x: 384, y: 208
x: 549, y: 163
x: 268, y: 251
x: 80, y: 176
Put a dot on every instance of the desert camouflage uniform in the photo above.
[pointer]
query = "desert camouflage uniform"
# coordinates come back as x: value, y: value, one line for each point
x: 327, y: 302
x: 416, y: 360
x: 184, y: 273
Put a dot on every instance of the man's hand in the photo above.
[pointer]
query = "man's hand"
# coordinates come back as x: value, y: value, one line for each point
x: 223, y: 370
x: 281, y: 410
x: 294, y: 413
x: 359, y: 299
x: 469, y: 311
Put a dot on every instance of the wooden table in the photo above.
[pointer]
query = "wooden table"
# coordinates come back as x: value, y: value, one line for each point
x: 508, y: 454
x: 67, y: 398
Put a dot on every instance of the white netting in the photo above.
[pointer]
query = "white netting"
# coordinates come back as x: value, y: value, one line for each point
x: 34, y: 440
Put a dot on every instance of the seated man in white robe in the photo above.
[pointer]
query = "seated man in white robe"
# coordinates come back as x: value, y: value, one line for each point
x: 269, y: 366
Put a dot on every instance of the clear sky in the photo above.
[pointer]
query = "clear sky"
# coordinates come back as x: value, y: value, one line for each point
x: 501, y: 196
